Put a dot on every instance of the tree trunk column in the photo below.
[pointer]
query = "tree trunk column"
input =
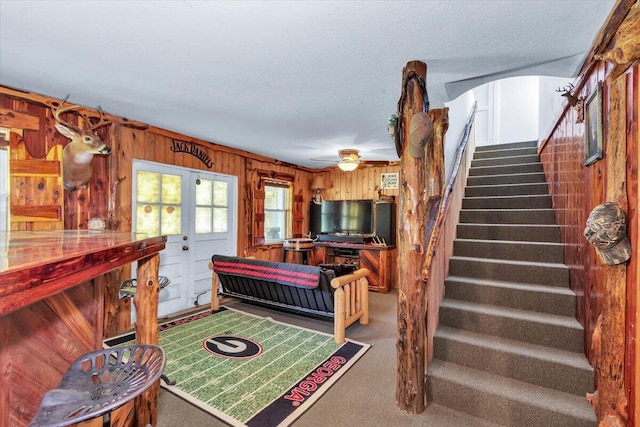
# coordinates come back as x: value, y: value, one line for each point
x: 411, y: 393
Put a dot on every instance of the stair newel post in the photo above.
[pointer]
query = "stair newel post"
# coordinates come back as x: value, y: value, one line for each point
x: 415, y: 191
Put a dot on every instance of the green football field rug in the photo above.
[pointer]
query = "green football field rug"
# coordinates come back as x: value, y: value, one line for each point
x: 249, y: 370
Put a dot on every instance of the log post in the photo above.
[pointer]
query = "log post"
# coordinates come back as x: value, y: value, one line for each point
x: 416, y: 185
x: 146, y: 303
x: 611, y: 401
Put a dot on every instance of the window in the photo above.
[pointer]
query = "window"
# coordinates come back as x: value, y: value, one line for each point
x: 212, y: 206
x: 158, y: 203
x: 277, y: 211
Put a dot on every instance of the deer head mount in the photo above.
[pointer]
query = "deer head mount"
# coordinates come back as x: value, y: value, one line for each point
x: 77, y: 154
x: 574, y: 101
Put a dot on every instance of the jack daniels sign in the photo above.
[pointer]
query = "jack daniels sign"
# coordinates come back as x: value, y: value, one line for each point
x: 178, y: 146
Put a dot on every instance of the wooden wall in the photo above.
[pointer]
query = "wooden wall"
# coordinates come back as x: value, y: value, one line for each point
x: 359, y: 184
x: 576, y: 189
x: 110, y: 189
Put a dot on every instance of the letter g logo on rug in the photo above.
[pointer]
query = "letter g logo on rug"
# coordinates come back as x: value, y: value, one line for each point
x: 232, y: 347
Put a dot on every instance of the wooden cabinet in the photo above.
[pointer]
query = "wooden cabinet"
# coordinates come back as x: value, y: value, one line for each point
x: 380, y: 261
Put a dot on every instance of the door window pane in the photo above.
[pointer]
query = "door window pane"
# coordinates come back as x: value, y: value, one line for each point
x: 171, y: 189
x: 211, y: 206
x: 204, y: 219
x: 148, y: 187
x: 220, y: 220
x: 158, y: 203
x: 204, y: 192
x: 170, y: 223
x: 147, y: 219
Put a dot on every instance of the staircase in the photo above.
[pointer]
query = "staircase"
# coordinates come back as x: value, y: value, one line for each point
x: 508, y: 348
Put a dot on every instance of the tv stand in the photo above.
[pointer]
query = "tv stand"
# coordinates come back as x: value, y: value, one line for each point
x: 379, y: 260
x: 345, y: 238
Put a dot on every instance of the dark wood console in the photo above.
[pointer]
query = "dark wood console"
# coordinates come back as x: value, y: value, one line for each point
x: 379, y: 260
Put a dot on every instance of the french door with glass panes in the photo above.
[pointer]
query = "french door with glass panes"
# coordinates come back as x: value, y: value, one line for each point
x: 196, y: 210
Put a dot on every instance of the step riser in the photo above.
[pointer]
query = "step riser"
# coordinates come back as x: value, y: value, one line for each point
x: 540, y: 189
x: 505, y: 216
x: 501, y: 161
x: 505, y: 153
x: 509, y: 146
x: 546, y: 373
x: 520, y: 273
x: 506, y: 179
x: 550, y: 335
x: 540, y: 302
x: 506, y: 170
x: 508, y: 202
x: 509, y: 251
x: 480, y: 404
x: 518, y: 233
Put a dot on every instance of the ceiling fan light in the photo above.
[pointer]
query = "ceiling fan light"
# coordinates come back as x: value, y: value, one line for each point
x: 348, y: 166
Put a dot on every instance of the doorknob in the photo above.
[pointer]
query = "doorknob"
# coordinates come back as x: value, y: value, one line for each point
x: 185, y: 248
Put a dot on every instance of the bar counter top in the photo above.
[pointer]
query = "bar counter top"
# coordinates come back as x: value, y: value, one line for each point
x: 38, y: 264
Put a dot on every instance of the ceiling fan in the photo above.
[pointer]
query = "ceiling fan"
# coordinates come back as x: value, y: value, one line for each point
x: 350, y: 160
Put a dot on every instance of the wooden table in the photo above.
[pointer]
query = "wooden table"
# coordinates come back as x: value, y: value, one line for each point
x: 51, y: 311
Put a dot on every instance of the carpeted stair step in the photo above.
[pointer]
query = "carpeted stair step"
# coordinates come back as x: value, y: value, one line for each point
x: 544, y: 366
x: 506, y: 152
x: 509, y: 249
x: 536, y: 188
x: 536, y: 201
x: 550, y: 330
x: 507, y: 146
x: 506, y: 169
x: 502, y: 161
x: 508, y: 216
x: 515, y: 232
x: 480, y: 180
x: 540, y: 298
x: 549, y: 274
x: 504, y: 400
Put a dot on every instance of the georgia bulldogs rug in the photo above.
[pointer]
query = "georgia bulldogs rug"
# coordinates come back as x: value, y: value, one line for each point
x: 249, y: 370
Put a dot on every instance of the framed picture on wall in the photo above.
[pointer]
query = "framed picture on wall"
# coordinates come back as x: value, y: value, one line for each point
x: 593, y: 128
x: 389, y: 181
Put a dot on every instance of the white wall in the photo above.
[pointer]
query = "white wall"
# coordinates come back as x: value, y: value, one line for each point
x: 507, y: 111
x: 519, y: 99
x: 459, y: 110
x: 551, y: 103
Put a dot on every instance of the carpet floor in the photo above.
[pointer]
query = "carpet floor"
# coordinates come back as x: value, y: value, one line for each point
x: 364, y: 396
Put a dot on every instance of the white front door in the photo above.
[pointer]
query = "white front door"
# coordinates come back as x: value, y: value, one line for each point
x: 196, y: 210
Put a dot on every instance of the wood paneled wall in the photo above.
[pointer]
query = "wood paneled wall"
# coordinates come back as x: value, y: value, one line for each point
x: 109, y: 194
x: 576, y: 189
x: 359, y: 184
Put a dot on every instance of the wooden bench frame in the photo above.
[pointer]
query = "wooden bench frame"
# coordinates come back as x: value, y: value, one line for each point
x: 351, y: 300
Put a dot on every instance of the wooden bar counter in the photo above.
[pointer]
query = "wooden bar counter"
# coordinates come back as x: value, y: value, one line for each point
x: 51, y: 311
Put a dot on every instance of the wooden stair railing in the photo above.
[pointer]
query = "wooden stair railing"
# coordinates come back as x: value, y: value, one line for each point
x: 442, y: 230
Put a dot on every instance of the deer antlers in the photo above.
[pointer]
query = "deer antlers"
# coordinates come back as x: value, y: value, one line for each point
x: 58, y: 110
x: 566, y: 92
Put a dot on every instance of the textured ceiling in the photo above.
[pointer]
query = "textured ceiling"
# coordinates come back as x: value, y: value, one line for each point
x: 290, y: 80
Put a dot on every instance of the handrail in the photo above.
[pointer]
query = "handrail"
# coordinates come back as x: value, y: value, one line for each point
x: 442, y: 212
x: 442, y: 207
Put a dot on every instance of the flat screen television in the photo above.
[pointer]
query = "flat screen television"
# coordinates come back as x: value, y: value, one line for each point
x: 346, y: 216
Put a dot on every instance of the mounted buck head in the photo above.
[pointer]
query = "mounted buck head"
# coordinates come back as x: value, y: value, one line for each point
x: 566, y: 92
x: 77, y: 154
